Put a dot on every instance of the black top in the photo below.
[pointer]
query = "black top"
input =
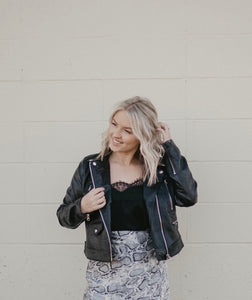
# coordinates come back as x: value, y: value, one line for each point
x: 128, y: 210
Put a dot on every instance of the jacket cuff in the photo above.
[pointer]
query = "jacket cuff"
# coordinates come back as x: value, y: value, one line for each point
x: 80, y: 214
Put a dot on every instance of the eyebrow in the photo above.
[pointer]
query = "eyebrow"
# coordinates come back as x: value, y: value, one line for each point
x: 123, y: 127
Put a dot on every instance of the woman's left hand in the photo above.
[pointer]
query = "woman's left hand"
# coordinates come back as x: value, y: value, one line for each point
x: 165, y: 131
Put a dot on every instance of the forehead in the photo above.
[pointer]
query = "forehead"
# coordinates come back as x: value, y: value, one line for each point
x: 121, y: 117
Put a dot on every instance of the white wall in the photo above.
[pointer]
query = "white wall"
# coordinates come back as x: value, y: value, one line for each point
x: 63, y: 64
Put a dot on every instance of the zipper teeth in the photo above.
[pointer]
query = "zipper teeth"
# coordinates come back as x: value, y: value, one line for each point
x: 110, y: 247
x: 91, y: 172
x: 161, y: 225
x: 88, y: 215
x: 173, y: 170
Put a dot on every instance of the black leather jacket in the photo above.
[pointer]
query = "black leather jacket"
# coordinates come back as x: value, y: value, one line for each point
x: 175, y: 186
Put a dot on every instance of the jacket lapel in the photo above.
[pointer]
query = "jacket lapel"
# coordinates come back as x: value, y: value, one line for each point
x: 101, y: 177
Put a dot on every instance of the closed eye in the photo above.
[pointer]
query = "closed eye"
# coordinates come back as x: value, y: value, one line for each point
x: 113, y: 122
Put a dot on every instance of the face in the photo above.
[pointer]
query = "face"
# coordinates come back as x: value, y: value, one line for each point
x: 121, y: 137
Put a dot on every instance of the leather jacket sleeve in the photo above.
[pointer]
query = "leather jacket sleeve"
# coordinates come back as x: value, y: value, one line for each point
x: 69, y: 213
x: 183, y: 184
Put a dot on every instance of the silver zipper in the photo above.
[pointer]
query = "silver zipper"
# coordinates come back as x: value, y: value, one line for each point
x: 170, y: 198
x: 110, y: 246
x: 161, y: 226
x: 173, y: 170
x: 171, y: 203
x: 88, y: 215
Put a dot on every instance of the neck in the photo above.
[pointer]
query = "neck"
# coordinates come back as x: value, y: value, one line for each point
x: 123, y: 159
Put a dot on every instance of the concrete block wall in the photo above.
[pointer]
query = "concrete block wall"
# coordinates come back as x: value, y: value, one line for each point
x: 63, y: 64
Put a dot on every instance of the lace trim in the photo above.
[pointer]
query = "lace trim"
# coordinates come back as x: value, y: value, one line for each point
x: 122, y: 186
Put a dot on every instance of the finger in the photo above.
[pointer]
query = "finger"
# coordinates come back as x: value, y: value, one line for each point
x: 163, y: 126
x: 100, y: 205
x: 98, y: 190
x: 101, y: 200
x: 99, y: 195
x: 166, y: 127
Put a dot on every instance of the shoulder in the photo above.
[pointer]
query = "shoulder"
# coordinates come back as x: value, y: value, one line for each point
x: 96, y: 159
x: 90, y: 157
x: 85, y: 161
x: 83, y: 165
x: 171, y: 148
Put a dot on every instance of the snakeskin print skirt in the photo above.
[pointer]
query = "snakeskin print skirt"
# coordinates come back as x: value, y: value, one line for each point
x: 134, y: 273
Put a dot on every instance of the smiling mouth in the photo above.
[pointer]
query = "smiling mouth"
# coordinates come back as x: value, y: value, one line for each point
x: 116, y: 142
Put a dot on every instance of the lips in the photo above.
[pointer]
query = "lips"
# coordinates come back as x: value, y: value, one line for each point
x: 115, y: 142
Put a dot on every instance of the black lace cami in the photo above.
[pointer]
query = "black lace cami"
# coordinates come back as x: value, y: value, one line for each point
x: 128, y: 210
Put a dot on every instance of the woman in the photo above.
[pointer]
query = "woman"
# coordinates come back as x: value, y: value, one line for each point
x: 127, y: 196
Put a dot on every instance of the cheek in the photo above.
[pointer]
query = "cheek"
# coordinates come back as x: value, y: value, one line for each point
x: 133, y: 141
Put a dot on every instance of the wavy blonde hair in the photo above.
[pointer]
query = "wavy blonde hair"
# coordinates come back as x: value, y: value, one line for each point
x: 144, y: 121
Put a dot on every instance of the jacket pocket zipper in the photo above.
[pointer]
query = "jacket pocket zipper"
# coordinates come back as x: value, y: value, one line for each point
x: 161, y: 227
x: 105, y: 226
x: 173, y: 170
x: 170, y: 198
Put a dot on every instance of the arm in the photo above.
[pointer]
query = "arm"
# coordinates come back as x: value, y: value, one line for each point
x: 69, y: 213
x: 183, y: 184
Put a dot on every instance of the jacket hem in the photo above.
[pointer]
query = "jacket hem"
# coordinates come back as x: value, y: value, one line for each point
x: 176, y: 247
x: 93, y: 254
x: 173, y: 249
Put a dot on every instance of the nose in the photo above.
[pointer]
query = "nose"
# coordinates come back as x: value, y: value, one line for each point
x: 117, y: 133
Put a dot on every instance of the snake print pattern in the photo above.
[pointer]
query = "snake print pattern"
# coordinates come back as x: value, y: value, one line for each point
x: 134, y: 273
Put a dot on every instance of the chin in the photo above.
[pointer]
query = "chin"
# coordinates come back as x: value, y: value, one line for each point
x: 112, y: 147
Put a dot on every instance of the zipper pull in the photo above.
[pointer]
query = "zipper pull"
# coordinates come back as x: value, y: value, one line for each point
x: 88, y: 217
x: 173, y: 170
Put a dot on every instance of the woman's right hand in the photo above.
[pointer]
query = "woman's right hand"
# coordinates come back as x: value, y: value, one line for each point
x: 93, y: 200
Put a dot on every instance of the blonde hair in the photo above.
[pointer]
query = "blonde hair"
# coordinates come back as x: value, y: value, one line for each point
x: 144, y: 121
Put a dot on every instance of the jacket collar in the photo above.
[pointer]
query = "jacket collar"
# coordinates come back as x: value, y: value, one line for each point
x: 101, y: 172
